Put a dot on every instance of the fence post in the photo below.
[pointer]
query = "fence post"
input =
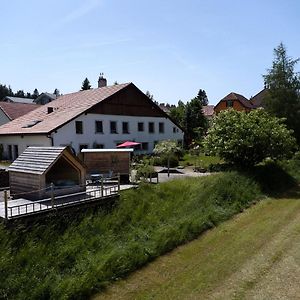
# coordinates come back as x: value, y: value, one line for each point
x: 5, y: 204
x: 52, y: 194
x: 119, y: 183
x: 102, y: 187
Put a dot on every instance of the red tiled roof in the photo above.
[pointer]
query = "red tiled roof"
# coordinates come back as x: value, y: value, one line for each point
x: 65, y: 108
x: 243, y: 100
x: 258, y: 98
x: 208, y: 110
x: 14, y: 110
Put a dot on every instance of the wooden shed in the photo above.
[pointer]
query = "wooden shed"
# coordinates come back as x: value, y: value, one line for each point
x: 32, y: 173
x: 107, y: 161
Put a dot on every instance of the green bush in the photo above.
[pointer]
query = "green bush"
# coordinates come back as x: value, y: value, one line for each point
x: 246, y: 139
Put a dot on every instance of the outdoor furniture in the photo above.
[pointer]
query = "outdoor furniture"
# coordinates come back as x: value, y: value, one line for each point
x: 95, y: 178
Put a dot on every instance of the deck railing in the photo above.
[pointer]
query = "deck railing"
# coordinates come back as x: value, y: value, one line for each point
x: 93, y: 192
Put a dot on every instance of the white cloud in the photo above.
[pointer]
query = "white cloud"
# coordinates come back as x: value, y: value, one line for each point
x: 80, y: 11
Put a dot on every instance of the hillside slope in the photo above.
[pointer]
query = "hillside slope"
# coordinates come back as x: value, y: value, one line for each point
x: 256, y: 255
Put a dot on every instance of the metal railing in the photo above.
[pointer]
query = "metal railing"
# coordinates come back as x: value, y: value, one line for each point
x: 92, y: 192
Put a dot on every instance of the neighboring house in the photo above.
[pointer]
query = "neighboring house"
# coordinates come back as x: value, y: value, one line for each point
x: 10, y: 111
x: 257, y: 100
x: 208, y: 111
x: 17, y: 100
x: 45, y: 98
x: 235, y: 101
x: 95, y: 118
x: 166, y: 107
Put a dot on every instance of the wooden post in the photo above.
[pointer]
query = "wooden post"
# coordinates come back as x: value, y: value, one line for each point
x: 119, y: 182
x: 52, y: 194
x: 5, y: 204
x: 101, y: 187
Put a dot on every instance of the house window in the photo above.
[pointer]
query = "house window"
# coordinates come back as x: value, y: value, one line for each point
x: 98, y: 146
x: 125, y: 127
x: 174, y: 129
x: 83, y: 146
x: 151, y: 127
x: 98, y: 127
x: 161, y: 127
x: 79, y: 127
x: 113, y: 127
x: 10, y: 153
x: 145, y: 146
x: 229, y: 103
x: 140, y: 126
x: 16, y: 150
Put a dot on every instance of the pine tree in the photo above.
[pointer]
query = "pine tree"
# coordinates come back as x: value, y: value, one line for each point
x: 35, y: 94
x: 86, y: 85
x: 283, y: 84
x: 202, y: 97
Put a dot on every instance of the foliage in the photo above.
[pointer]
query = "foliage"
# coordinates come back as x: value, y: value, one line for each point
x: 190, y: 116
x: 177, y: 113
x: 163, y: 161
x: 56, y: 92
x: 166, y: 149
x: 35, y: 94
x: 246, y: 139
x: 195, y: 122
x: 202, y: 97
x: 5, y: 91
x: 144, y: 168
x: 86, y: 85
x: 283, y: 84
x: 149, y: 95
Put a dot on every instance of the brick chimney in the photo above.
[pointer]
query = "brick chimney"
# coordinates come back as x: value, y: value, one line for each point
x: 102, y: 82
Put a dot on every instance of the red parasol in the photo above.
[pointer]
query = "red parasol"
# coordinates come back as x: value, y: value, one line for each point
x: 128, y: 144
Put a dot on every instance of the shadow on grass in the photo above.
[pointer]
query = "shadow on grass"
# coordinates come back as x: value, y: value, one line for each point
x: 274, y: 181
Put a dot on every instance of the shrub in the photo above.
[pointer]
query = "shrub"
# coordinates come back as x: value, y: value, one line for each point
x: 245, y: 139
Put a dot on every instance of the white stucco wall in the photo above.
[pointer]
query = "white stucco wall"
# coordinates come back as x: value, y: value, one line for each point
x: 67, y: 134
x: 22, y: 143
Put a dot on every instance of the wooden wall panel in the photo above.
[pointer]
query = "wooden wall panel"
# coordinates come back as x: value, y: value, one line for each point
x: 103, y: 162
x: 131, y: 102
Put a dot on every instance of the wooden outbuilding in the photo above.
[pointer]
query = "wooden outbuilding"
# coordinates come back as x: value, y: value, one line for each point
x: 108, y: 161
x: 33, y: 173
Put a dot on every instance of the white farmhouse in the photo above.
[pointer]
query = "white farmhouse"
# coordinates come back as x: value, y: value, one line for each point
x: 96, y: 118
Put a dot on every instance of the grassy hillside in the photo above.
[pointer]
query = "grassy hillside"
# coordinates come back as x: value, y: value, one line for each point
x: 255, y: 255
x: 74, y: 256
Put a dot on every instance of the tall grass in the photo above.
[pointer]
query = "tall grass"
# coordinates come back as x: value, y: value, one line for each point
x: 74, y: 256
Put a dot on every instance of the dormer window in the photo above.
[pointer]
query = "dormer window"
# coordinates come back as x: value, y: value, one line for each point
x: 31, y: 124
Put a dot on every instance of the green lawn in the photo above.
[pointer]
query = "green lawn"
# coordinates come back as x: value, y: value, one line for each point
x: 200, y: 160
x: 254, y: 255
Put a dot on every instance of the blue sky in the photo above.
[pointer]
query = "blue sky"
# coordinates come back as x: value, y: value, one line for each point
x: 171, y: 48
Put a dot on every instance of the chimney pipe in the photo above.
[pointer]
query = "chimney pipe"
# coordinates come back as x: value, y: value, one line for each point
x: 102, y: 82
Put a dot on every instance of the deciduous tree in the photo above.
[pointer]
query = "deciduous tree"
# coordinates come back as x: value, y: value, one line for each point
x: 246, y: 139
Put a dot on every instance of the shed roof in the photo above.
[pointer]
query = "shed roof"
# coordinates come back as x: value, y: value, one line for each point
x: 18, y: 99
x: 37, y: 160
x: 14, y: 110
